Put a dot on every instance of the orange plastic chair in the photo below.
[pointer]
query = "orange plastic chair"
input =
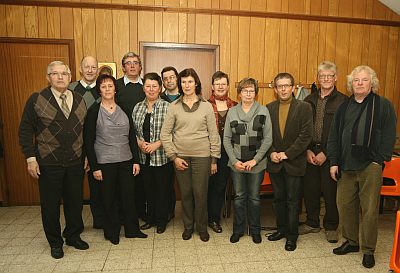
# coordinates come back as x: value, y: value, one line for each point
x: 391, y: 175
x: 395, y: 258
x: 266, y: 186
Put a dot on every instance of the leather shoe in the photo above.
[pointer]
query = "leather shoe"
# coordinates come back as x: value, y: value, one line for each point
x: 276, y: 236
x: 368, y: 260
x: 57, y: 252
x: 146, y: 226
x: 78, y: 244
x: 216, y: 227
x: 114, y: 241
x: 204, y: 236
x: 187, y: 234
x: 161, y: 229
x: 345, y: 248
x: 256, y: 238
x: 138, y: 234
x: 290, y: 245
x: 235, y: 238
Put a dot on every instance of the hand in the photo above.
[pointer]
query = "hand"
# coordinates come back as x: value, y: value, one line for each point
x: 282, y: 156
x: 33, y: 169
x: 274, y: 157
x: 98, y: 175
x: 135, y: 169
x: 320, y: 159
x: 248, y: 165
x: 86, y: 166
x: 180, y: 164
x: 311, y: 157
x: 239, y: 166
x: 214, y: 168
x: 334, y: 171
x: 150, y: 148
x: 142, y: 146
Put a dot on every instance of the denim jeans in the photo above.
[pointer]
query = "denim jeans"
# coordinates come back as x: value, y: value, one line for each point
x: 286, y: 202
x: 247, y: 201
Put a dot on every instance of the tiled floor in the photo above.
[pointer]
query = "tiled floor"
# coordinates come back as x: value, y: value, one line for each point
x: 23, y: 248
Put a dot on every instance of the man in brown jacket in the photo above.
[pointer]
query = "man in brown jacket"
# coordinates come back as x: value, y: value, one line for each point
x: 291, y: 134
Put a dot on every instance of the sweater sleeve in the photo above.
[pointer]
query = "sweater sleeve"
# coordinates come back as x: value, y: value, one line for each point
x: 228, y: 138
x: 27, y: 127
x: 388, y: 130
x: 305, y: 134
x: 267, y: 138
x: 166, y: 133
x: 213, y: 135
x: 133, y: 142
x: 89, y: 137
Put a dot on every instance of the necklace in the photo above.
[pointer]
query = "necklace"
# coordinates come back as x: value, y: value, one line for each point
x: 108, y: 106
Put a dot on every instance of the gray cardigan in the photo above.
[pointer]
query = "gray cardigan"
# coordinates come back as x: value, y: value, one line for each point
x: 248, y: 136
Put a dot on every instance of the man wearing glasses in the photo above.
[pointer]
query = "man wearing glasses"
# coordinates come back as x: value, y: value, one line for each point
x: 50, y: 134
x: 317, y: 179
x: 169, y: 77
x: 291, y: 134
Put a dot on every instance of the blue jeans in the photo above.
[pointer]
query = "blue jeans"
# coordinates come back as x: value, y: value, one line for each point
x: 247, y: 201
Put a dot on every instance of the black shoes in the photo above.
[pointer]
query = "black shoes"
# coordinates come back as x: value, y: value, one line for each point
x: 138, y: 234
x: 187, y: 234
x: 290, y: 245
x: 57, y: 252
x: 215, y: 227
x: 77, y: 243
x: 345, y: 248
x: 368, y: 260
x: 276, y: 236
x: 256, y: 238
x: 204, y: 236
x: 235, y: 238
x: 114, y: 241
x: 161, y: 229
x: 146, y: 226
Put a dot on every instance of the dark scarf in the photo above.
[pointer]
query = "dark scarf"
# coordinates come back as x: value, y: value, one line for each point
x: 229, y: 103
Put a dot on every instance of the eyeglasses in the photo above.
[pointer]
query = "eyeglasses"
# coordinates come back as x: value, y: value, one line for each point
x: 88, y: 68
x: 283, y: 86
x: 357, y: 81
x: 132, y: 63
x: 248, y: 92
x: 58, y: 74
x: 170, y: 78
x: 220, y: 84
x: 329, y: 77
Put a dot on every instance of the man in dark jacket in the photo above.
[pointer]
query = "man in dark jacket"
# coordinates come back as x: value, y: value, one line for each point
x: 54, y: 118
x: 324, y: 103
x: 291, y: 134
x: 362, y: 137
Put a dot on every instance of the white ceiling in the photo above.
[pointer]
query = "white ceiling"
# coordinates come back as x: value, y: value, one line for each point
x: 392, y: 4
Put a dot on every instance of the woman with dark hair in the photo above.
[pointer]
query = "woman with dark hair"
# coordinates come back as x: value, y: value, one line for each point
x: 190, y: 138
x: 157, y: 171
x: 217, y: 183
x: 112, y: 151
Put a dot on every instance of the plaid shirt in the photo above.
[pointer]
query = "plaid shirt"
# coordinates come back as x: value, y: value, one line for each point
x: 158, y: 158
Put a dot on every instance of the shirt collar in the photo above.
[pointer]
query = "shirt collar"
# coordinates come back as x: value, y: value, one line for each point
x: 57, y: 94
x: 84, y: 84
x: 127, y: 80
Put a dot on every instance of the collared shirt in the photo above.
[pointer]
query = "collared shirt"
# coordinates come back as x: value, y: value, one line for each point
x: 68, y: 93
x: 84, y: 84
x: 160, y: 107
x: 127, y: 80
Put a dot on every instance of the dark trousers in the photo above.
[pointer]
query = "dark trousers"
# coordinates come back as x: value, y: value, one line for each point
x: 96, y: 204
x: 193, y: 183
x: 316, y: 180
x: 172, y: 194
x: 140, y: 197
x: 118, y: 189
x: 217, y: 188
x: 286, y: 202
x: 157, y: 186
x: 66, y: 183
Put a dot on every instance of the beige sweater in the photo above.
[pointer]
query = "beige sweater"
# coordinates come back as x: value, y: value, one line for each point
x: 190, y: 133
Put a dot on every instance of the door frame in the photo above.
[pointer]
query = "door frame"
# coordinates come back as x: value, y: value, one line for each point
x: 70, y: 43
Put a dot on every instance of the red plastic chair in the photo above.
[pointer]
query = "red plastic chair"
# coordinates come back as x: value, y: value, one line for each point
x: 395, y: 258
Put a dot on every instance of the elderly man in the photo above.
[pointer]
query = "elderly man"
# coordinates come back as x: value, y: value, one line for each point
x: 129, y: 93
x: 50, y: 134
x: 317, y: 177
x: 90, y: 93
x: 291, y: 134
x: 361, y: 139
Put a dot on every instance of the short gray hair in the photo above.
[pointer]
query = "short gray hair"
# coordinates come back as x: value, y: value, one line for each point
x: 131, y: 54
x: 327, y: 65
x: 370, y: 71
x: 53, y: 63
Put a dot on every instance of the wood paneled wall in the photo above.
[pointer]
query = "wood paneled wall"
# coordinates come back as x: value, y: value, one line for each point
x: 249, y: 46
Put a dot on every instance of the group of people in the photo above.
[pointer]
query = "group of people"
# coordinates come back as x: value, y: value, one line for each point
x: 133, y: 139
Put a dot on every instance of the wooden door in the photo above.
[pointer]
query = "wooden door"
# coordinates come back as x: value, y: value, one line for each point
x: 23, y: 68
